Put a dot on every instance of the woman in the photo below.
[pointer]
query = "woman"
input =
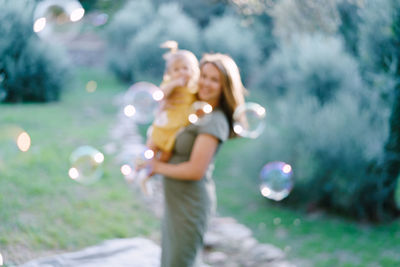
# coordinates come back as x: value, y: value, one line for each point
x: 188, y: 186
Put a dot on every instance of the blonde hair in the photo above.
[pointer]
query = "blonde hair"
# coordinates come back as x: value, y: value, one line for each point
x: 233, y: 90
x: 174, y: 54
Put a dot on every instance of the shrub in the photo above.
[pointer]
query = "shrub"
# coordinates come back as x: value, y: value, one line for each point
x: 124, y: 26
x: 138, y: 52
x: 320, y: 122
x: 379, y: 54
x: 226, y: 35
x: 32, y: 71
x: 144, y: 49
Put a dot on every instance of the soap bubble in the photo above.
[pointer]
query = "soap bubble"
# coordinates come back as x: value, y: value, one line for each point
x: 86, y: 165
x: 58, y: 20
x: 141, y: 102
x: 199, y: 112
x: 249, y: 120
x: 276, y: 180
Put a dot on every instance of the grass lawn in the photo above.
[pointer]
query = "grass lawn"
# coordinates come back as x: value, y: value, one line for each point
x: 316, y: 239
x: 42, y: 210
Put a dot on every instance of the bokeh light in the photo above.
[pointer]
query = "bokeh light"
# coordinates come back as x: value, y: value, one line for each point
x: 199, y: 112
x: 276, y: 180
x: 1, y: 260
x: 126, y: 169
x: 141, y: 102
x: 129, y: 110
x: 91, y: 86
x: 249, y: 120
x: 86, y: 165
x: 58, y: 20
x: 24, y: 141
x: 13, y: 139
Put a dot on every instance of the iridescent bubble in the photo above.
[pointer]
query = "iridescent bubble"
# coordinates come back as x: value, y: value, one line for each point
x: 86, y: 165
x: 249, y: 120
x: 137, y: 170
x: 99, y: 19
x: 199, y: 112
x: 58, y: 20
x: 276, y: 180
x: 141, y: 102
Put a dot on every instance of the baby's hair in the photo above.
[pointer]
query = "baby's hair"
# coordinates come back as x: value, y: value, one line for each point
x: 180, y: 54
x: 171, y: 45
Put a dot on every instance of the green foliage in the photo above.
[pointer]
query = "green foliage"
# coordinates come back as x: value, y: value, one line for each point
x: 170, y: 23
x: 348, y: 28
x: 138, y: 49
x: 240, y: 43
x: 379, y: 54
x: 380, y: 36
x: 200, y: 11
x: 31, y: 70
x: 125, y: 24
x: 314, y: 65
x: 319, y: 123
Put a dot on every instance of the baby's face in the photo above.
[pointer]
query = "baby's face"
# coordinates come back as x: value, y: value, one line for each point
x: 179, y: 69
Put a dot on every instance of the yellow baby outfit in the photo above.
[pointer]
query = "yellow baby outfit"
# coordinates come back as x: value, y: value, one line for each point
x: 170, y: 120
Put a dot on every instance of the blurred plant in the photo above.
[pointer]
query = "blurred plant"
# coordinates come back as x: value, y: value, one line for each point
x: 320, y: 121
x: 380, y: 57
x: 200, y: 11
x: 31, y: 70
x: 125, y: 24
x: 240, y: 43
x: 137, y: 49
x: 349, y: 24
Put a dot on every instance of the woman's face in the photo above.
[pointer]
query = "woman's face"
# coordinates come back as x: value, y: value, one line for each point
x: 210, y: 84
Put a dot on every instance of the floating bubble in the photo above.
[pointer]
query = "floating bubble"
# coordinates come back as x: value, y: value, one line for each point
x: 98, y: 19
x: 86, y: 165
x: 58, y: 20
x: 135, y: 168
x: 141, y: 102
x: 199, y: 112
x: 276, y: 180
x: 249, y: 120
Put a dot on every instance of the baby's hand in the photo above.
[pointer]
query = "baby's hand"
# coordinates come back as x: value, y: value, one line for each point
x: 181, y: 81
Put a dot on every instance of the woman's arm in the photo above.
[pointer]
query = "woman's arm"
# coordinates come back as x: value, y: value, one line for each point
x: 203, y: 151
